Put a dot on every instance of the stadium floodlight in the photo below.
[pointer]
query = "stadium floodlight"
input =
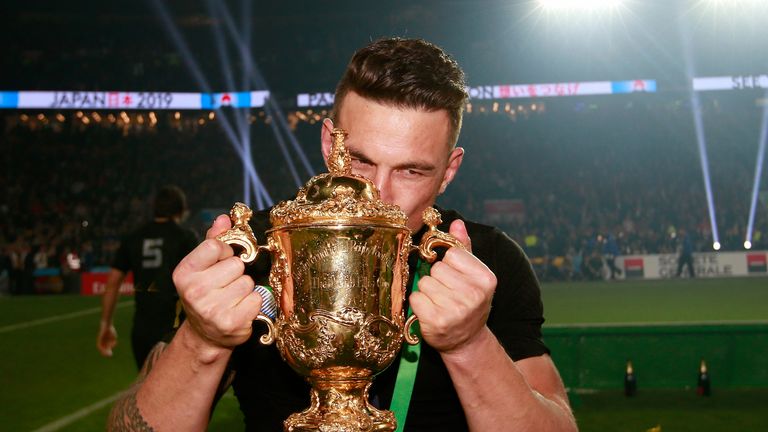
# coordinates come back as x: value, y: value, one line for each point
x: 701, y: 140
x: 747, y: 245
x: 579, y: 4
x: 758, y: 175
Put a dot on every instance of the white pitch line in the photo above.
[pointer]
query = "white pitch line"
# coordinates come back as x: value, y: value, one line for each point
x: 55, y: 318
x: 77, y: 415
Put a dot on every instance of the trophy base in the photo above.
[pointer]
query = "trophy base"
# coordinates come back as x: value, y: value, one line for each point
x: 340, y: 406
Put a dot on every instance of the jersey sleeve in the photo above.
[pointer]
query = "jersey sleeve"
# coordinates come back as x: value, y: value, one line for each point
x: 517, y: 312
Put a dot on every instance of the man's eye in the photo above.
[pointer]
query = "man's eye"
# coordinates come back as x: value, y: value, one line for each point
x: 410, y: 173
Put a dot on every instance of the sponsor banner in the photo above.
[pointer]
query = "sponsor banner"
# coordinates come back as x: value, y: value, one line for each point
x: 92, y: 283
x: 259, y: 98
x: 304, y: 100
x: 516, y: 91
x: 737, y: 82
x: 255, y: 99
x: 131, y: 100
x: 47, y: 280
x: 48, y: 284
x: 705, y: 265
x: 520, y: 91
x: 634, y: 86
x: 9, y: 99
x: 108, y: 100
x: 756, y: 263
x: 633, y: 267
x: 561, y: 89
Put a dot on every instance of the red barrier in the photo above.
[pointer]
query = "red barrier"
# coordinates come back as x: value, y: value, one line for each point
x: 96, y: 284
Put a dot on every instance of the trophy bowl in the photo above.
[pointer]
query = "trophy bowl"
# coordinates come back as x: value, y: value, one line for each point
x: 339, y: 273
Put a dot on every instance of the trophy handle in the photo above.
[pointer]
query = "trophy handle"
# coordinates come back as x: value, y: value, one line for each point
x: 269, y: 337
x: 432, y: 238
x: 241, y: 235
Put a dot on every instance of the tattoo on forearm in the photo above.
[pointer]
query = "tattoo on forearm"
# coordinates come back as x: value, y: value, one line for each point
x: 126, y: 416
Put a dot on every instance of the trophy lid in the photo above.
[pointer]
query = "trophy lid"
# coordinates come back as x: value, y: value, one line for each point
x: 337, y: 197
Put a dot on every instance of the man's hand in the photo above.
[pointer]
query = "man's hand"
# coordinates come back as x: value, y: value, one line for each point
x: 218, y: 298
x: 453, y: 303
x: 106, y: 339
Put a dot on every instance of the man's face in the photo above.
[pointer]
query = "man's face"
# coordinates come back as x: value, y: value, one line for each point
x: 405, y: 152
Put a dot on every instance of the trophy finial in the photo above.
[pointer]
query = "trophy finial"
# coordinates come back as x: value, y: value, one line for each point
x: 339, y: 161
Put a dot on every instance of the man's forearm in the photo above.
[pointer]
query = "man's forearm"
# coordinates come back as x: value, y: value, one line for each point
x: 179, y: 390
x: 111, y: 293
x: 498, y: 394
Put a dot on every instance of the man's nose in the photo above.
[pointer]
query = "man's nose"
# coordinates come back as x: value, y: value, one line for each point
x: 384, y: 185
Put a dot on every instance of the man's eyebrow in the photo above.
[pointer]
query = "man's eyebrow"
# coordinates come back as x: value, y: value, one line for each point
x: 359, y: 156
x: 416, y: 165
x: 419, y: 166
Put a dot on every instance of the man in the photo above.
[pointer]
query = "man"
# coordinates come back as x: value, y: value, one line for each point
x: 685, y: 254
x: 151, y: 252
x: 481, y: 369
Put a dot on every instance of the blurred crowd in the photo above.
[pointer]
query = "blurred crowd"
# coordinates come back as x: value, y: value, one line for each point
x: 618, y: 177
x: 589, y: 182
x: 69, y: 191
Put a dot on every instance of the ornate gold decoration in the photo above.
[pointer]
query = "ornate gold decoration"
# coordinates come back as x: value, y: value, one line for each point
x: 339, y: 161
x: 241, y: 234
x: 339, y: 272
x: 434, y: 237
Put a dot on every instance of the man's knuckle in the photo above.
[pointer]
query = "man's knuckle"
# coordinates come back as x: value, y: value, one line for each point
x: 192, y: 294
x: 211, y: 246
x: 488, y: 279
x: 245, y: 282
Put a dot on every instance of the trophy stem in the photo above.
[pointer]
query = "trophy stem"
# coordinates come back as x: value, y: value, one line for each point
x: 340, y: 405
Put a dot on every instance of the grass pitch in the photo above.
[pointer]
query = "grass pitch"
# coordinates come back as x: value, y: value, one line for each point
x: 53, y: 379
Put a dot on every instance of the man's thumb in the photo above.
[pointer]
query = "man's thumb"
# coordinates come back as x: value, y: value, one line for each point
x: 459, y: 230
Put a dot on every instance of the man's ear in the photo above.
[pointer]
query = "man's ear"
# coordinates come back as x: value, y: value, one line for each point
x: 454, y: 162
x: 326, y: 139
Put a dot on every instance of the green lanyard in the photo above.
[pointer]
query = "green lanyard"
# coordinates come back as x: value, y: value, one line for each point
x: 409, y: 362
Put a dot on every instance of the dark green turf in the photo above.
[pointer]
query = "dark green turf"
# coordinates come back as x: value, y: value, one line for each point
x: 30, y: 308
x: 673, y: 410
x: 52, y: 370
x: 738, y: 299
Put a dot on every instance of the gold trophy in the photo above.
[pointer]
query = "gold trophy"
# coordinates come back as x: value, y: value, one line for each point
x: 339, y: 274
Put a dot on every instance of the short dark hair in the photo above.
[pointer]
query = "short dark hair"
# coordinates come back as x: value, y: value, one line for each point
x: 170, y: 201
x: 407, y: 73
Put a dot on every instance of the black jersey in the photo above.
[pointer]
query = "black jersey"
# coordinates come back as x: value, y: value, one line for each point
x: 151, y: 253
x: 269, y: 391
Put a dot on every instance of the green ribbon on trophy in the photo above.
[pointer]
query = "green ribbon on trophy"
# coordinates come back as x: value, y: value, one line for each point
x: 409, y: 361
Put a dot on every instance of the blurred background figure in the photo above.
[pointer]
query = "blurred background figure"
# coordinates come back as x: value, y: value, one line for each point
x: 151, y: 252
x: 685, y: 253
x: 610, y: 251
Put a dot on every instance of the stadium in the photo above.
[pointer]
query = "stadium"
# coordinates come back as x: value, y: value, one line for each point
x: 606, y: 138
